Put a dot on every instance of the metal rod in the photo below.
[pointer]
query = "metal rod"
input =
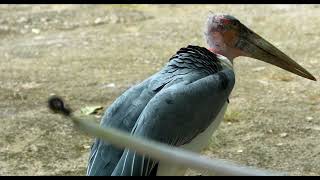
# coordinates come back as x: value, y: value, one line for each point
x: 164, y: 152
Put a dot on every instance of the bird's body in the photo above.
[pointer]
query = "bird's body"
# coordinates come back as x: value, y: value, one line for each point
x: 190, y: 83
x: 182, y: 104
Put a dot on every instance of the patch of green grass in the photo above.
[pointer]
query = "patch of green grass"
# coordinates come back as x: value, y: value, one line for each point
x: 232, y: 116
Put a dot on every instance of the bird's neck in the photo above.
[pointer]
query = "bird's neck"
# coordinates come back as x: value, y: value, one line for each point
x: 217, y: 51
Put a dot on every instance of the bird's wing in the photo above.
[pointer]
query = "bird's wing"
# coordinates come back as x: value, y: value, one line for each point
x: 176, y: 115
x: 122, y: 114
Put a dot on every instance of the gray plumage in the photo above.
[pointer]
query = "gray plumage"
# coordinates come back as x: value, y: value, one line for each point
x: 173, y: 106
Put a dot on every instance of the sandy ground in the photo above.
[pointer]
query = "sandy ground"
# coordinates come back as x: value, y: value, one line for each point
x: 90, y: 54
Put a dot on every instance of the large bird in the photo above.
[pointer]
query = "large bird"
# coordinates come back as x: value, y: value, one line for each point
x: 183, y: 103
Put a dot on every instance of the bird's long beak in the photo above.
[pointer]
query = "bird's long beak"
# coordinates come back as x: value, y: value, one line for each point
x: 256, y: 47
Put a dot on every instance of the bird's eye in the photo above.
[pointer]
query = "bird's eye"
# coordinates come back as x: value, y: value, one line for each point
x: 234, y: 23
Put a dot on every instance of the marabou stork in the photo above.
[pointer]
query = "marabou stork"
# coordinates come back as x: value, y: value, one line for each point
x: 183, y: 103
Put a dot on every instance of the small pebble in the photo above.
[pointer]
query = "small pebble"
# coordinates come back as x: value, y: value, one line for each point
x: 309, y: 118
x: 111, y: 85
x: 22, y: 20
x: 36, y: 31
x: 98, y: 21
x: 283, y: 134
x: 86, y: 147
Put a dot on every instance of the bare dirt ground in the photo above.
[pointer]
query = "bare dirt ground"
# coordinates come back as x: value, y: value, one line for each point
x: 90, y: 54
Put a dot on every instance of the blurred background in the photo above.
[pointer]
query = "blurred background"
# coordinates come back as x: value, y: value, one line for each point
x: 90, y: 54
